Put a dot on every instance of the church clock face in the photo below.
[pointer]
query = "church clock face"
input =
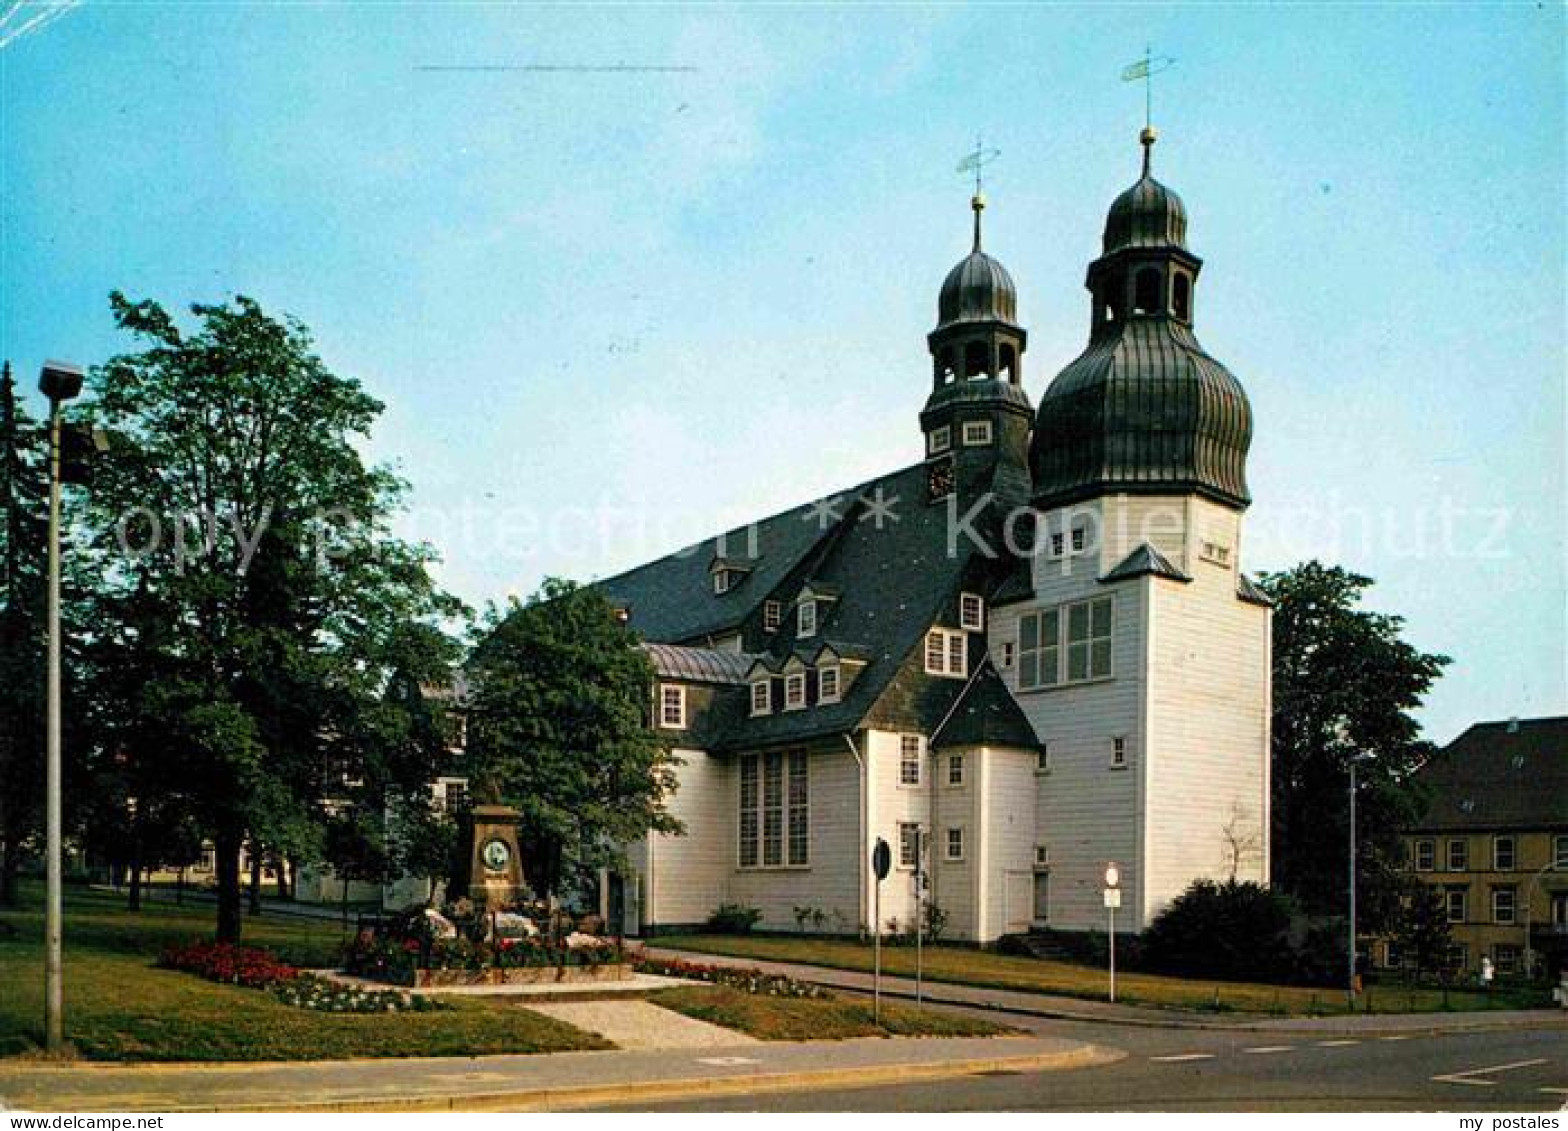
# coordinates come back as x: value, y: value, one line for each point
x: 497, y: 854
x: 939, y: 479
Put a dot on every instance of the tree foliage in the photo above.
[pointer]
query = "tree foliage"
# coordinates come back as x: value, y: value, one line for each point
x: 1344, y: 685
x: 559, y: 728
x: 252, y: 591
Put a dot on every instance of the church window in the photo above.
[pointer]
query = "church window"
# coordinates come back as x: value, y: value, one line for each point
x: 828, y: 684
x: 940, y: 440
x: 977, y: 433
x: 806, y: 619
x: 1214, y: 552
x: 947, y: 653
x: 1070, y: 644
x: 795, y: 691
x: 971, y: 612
x: 911, y: 753
x: 908, y: 844
x: 1146, y: 292
x: 772, y: 810
x: 772, y: 615
x: 976, y: 365
x: 955, y: 769
x: 774, y: 826
x: 1118, y: 752
x: 762, y: 697
x: 1181, y: 297
x: 672, y: 706
x: 955, y: 844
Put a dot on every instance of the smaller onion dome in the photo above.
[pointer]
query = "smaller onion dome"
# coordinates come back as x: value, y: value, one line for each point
x: 1148, y: 214
x: 978, y: 289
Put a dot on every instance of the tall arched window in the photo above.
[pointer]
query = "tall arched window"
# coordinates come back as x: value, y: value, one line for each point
x: 1181, y: 297
x: 1146, y: 292
x: 944, y: 366
x: 1007, y: 366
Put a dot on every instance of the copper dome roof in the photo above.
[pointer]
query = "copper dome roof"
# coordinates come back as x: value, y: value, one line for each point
x: 1146, y: 215
x: 978, y: 289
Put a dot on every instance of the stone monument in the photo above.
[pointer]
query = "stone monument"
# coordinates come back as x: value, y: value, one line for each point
x: 495, y: 868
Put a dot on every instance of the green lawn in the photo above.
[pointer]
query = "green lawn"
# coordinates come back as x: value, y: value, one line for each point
x: 814, y: 1019
x: 119, y: 1006
x: 982, y: 968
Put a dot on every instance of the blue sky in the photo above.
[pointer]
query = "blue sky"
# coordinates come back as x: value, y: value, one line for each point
x: 611, y: 312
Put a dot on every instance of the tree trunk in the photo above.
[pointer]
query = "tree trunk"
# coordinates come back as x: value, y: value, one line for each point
x: 345, y: 902
x: 255, y: 879
x: 9, y: 868
x: 227, y: 852
x: 281, y: 863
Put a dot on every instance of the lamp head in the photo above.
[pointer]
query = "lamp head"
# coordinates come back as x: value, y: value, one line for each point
x: 1113, y: 875
x: 60, y: 380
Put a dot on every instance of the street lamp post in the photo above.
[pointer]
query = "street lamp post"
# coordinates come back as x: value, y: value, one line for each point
x: 1350, y: 984
x: 1529, y: 914
x: 59, y: 382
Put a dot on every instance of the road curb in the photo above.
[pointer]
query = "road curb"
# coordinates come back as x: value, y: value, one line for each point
x: 575, y: 1098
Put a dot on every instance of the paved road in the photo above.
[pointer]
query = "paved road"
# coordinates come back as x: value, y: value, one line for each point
x: 1519, y: 1069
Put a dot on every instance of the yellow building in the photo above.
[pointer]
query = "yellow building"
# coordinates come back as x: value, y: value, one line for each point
x: 1494, y: 842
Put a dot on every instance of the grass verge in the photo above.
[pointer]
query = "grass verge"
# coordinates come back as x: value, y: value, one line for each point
x: 119, y: 1006
x: 814, y: 1019
x: 968, y: 966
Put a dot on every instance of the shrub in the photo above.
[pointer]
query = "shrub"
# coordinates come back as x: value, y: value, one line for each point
x: 225, y: 962
x: 733, y: 919
x: 1231, y: 931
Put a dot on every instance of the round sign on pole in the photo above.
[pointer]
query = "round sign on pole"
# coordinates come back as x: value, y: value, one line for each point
x: 881, y: 859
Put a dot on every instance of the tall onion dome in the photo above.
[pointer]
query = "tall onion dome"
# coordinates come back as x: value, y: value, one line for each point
x: 1143, y: 410
x: 976, y: 420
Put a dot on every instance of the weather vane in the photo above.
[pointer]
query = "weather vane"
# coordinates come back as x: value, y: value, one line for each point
x: 1145, y: 69
x: 975, y: 162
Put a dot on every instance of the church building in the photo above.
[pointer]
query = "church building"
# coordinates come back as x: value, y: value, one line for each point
x: 1026, y: 656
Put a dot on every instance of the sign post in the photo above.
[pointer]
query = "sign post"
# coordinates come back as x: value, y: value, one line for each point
x: 920, y: 913
x: 1113, y: 900
x: 881, y: 865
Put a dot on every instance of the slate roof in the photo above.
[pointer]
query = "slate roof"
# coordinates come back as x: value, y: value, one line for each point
x: 672, y: 599
x: 1499, y: 775
x: 1145, y: 559
x: 1249, y: 591
x: 985, y: 715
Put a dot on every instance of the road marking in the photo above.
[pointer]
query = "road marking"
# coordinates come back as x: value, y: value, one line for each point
x: 726, y: 1061
x: 1336, y: 1044
x: 1270, y: 1048
x: 1396, y: 1037
x: 1465, y: 1077
x: 1184, y: 1056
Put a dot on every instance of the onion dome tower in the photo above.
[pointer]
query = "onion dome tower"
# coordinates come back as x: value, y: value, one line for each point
x: 1143, y: 410
x: 976, y: 420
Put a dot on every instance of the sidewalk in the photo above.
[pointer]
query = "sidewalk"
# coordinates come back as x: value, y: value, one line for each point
x: 1077, y: 1009
x: 563, y: 1081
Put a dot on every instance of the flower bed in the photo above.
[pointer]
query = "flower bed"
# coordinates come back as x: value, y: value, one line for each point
x: 426, y: 948
x: 746, y: 979
x: 258, y: 969
x: 226, y: 962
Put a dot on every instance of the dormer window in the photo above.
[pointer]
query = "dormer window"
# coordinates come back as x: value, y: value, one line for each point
x: 722, y: 580
x: 761, y: 697
x: 971, y: 612
x: 727, y: 573
x: 947, y: 653
x: 794, y: 691
x: 940, y: 440
x: 806, y: 619
x: 772, y: 615
x: 828, y: 687
x: 977, y: 433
